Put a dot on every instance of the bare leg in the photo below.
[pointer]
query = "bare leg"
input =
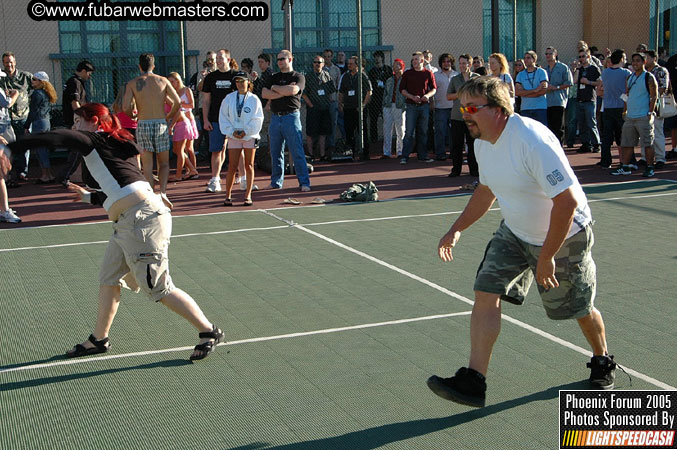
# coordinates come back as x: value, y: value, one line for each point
x: 240, y: 167
x: 217, y: 162
x: 191, y: 162
x: 4, y: 202
x: 650, y: 154
x: 163, y: 170
x: 233, y: 162
x: 485, y: 325
x: 592, y: 326
x: 249, y: 154
x: 185, y: 306
x: 147, y: 167
x: 109, y: 300
x: 178, y: 147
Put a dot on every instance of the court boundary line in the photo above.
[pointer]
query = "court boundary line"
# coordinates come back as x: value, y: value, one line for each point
x: 461, y: 194
x: 512, y: 320
x: 69, y: 362
x: 312, y: 224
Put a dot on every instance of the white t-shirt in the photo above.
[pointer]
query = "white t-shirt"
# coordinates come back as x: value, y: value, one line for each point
x: 525, y: 169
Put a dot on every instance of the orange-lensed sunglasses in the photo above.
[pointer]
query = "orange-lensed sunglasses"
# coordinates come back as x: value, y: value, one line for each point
x: 472, y: 109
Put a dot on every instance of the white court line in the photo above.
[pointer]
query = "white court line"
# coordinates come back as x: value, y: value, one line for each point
x: 208, y: 233
x: 519, y: 323
x: 74, y: 244
x: 69, y: 362
x: 319, y: 206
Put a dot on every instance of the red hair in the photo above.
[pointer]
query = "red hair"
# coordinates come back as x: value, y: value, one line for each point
x: 398, y: 60
x: 108, y: 123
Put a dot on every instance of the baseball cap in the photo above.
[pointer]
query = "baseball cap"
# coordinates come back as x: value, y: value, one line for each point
x: 240, y: 74
x: 42, y: 76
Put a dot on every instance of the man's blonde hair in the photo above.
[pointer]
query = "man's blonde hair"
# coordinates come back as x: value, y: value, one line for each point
x: 493, y: 89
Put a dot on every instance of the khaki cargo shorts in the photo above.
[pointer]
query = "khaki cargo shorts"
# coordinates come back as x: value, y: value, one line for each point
x: 137, y: 254
x: 509, y: 266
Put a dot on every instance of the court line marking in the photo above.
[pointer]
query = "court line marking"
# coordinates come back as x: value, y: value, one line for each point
x: 333, y: 222
x: 512, y: 320
x: 69, y: 362
x: 461, y: 194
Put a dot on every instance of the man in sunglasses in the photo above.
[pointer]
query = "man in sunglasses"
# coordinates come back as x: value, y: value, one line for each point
x: 545, y: 233
x: 317, y: 95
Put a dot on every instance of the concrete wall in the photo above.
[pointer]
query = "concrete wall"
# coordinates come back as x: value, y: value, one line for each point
x: 438, y: 25
x: 30, y: 41
x: 561, y: 30
x: 616, y: 23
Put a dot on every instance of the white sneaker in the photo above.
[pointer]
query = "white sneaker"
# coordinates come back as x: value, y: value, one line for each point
x: 243, y: 185
x: 214, y: 185
x: 9, y: 216
x: 305, y: 188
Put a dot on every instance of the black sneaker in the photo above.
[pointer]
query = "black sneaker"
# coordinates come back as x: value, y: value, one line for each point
x: 467, y: 387
x: 641, y: 163
x: 602, y: 372
x: 659, y: 165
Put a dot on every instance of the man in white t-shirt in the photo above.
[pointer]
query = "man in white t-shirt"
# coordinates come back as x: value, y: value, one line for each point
x: 545, y: 233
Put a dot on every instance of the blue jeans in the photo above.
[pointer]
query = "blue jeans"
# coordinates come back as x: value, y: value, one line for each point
x: 333, y: 117
x: 417, y: 119
x: 537, y: 114
x: 571, y: 123
x: 442, y: 117
x: 38, y: 126
x: 287, y: 129
x: 587, y: 124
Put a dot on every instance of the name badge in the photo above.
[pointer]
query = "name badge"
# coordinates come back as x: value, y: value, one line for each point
x: 581, y: 86
x: 351, y: 93
x: 380, y: 83
x: 624, y: 97
x: 320, y: 92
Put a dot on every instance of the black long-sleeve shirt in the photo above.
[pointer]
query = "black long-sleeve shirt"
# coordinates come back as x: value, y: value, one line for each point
x: 108, y: 167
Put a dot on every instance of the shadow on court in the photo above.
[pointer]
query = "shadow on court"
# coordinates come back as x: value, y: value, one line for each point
x: 77, y: 376
x: 377, y: 437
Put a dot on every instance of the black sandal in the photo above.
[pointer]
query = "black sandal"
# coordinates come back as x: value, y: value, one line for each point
x: 100, y: 346
x: 248, y: 202
x: 207, y: 347
x: 228, y: 202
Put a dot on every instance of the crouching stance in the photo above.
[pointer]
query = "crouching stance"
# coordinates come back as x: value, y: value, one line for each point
x: 545, y: 233
x: 137, y: 252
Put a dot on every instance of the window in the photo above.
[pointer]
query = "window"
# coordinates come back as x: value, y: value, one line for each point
x: 666, y: 13
x: 114, y: 48
x: 320, y: 24
x: 525, y: 32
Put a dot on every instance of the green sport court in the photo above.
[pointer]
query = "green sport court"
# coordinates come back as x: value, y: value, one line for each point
x: 335, y: 316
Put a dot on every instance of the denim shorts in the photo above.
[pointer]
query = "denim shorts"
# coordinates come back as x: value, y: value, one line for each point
x: 509, y: 266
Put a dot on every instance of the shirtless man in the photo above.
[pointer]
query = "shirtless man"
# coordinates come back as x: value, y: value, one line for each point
x: 149, y: 92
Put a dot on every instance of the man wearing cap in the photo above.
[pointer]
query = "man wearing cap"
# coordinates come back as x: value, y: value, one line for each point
x: 18, y: 113
x: 284, y: 91
x: 74, y: 96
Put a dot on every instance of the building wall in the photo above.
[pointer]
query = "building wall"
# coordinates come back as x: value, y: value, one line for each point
x: 438, y: 25
x: 561, y: 30
x: 616, y: 23
x: 30, y: 41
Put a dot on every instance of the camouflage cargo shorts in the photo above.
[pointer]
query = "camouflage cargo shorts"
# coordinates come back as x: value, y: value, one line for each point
x: 509, y: 266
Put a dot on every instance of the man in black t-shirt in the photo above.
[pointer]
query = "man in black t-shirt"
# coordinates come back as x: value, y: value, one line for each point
x: 284, y: 91
x: 586, y: 98
x: 215, y: 87
x: 74, y: 96
x: 377, y: 76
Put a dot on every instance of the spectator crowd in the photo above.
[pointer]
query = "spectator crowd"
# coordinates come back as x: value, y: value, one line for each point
x: 230, y: 110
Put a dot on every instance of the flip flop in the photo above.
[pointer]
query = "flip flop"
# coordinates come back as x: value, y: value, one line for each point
x: 292, y: 201
x: 195, y: 176
x: 320, y: 201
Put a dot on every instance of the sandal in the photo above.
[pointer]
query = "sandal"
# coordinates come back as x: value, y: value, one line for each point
x: 248, y: 202
x: 207, y: 347
x: 194, y: 176
x: 100, y: 346
x: 228, y: 202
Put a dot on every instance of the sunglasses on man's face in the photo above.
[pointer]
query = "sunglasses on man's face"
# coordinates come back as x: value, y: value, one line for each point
x: 317, y: 62
x: 281, y: 59
x: 472, y: 109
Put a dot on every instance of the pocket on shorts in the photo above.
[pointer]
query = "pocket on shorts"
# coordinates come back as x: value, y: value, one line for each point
x: 150, y: 225
x: 154, y: 267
